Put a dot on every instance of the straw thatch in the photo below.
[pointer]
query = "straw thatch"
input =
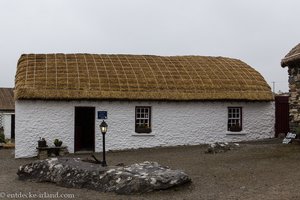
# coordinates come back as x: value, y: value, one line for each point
x: 292, y: 57
x: 7, y: 102
x: 137, y: 77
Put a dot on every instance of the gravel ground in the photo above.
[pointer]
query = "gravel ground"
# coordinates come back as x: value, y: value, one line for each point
x: 257, y: 170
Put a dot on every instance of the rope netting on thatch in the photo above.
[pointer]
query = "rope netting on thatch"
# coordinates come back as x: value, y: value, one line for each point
x: 137, y: 77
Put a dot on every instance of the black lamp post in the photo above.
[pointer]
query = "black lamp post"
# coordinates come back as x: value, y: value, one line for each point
x: 103, y: 127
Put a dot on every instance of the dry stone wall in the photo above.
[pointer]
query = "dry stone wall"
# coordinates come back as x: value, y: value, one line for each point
x: 294, y: 99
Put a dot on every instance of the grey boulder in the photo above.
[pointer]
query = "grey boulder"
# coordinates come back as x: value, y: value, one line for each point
x: 72, y: 172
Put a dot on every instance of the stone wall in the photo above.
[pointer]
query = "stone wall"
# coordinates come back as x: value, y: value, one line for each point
x: 294, y: 99
x: 173, y: 123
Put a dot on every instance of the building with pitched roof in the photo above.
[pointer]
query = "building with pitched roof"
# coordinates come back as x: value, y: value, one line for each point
x: 7, y: 112
x: 292, y: 61
x: 146, y: 100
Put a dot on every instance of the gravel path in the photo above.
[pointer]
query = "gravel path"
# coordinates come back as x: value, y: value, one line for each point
x: 257, y: 170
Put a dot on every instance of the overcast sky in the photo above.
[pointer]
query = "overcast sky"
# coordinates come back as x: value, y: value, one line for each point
x: 259, y: 32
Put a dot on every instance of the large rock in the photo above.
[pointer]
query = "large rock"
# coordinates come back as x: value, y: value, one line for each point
x: 72, y: 172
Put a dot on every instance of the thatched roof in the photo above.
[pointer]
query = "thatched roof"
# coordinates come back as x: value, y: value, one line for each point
x: 292, y: 57
x: 7, y: 102
x: 137, y: 77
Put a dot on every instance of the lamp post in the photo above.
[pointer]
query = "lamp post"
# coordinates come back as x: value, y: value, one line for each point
x: 103, y: 127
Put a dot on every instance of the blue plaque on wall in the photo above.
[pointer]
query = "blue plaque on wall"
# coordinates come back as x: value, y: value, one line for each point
x: 102, y: 114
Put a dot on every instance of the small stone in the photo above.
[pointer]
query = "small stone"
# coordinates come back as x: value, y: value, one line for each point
x: 118, y: 180
x: 153, y: 181
x: 111, y: 170
x: 220, y: 147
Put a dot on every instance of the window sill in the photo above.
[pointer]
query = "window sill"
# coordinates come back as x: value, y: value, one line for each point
x: 142, y: 130
x: 235, y: 133
x: 143, y: 134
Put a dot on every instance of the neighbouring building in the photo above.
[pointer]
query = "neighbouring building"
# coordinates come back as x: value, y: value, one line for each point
x: 292, y: 61
x: 147, y: 101
x: 7, y: 112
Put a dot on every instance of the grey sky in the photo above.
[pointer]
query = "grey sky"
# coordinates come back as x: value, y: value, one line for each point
x: 259, y: 32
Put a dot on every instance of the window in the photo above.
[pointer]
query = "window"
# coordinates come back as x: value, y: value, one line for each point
x: 142, y: 119
x: 234, y: 119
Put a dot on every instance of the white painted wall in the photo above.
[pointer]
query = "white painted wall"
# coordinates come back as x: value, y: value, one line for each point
x: 1, y: 119
x: 173, y: 123
x: 6, y: 122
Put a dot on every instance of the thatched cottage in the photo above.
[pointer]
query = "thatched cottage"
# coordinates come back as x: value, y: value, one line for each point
x: 147, y: 101
x: 292, y: 61
x: 7, y: 112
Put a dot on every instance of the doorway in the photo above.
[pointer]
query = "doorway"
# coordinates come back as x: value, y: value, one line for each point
x: 281, y: 115
x: 12, y: 127
x: 84, y: 129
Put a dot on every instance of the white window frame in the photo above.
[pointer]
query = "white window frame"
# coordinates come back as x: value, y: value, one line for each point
x: 235, y: 119
x: 143, y: 119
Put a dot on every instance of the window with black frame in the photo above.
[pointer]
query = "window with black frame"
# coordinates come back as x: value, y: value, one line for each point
x: 142, y: 119
x: 234, y: 119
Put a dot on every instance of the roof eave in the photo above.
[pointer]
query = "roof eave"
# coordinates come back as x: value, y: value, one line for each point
x: 289, y: 61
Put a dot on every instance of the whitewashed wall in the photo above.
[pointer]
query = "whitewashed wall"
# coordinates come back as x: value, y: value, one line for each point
x: 6, y: 122
x: 173, y: 123
x: 1, y: 119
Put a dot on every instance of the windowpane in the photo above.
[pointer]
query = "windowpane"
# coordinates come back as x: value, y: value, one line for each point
x: 143, y: 119
x: 234, y: 119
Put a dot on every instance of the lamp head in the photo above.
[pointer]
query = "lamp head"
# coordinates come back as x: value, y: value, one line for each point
x: 103, y: 127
